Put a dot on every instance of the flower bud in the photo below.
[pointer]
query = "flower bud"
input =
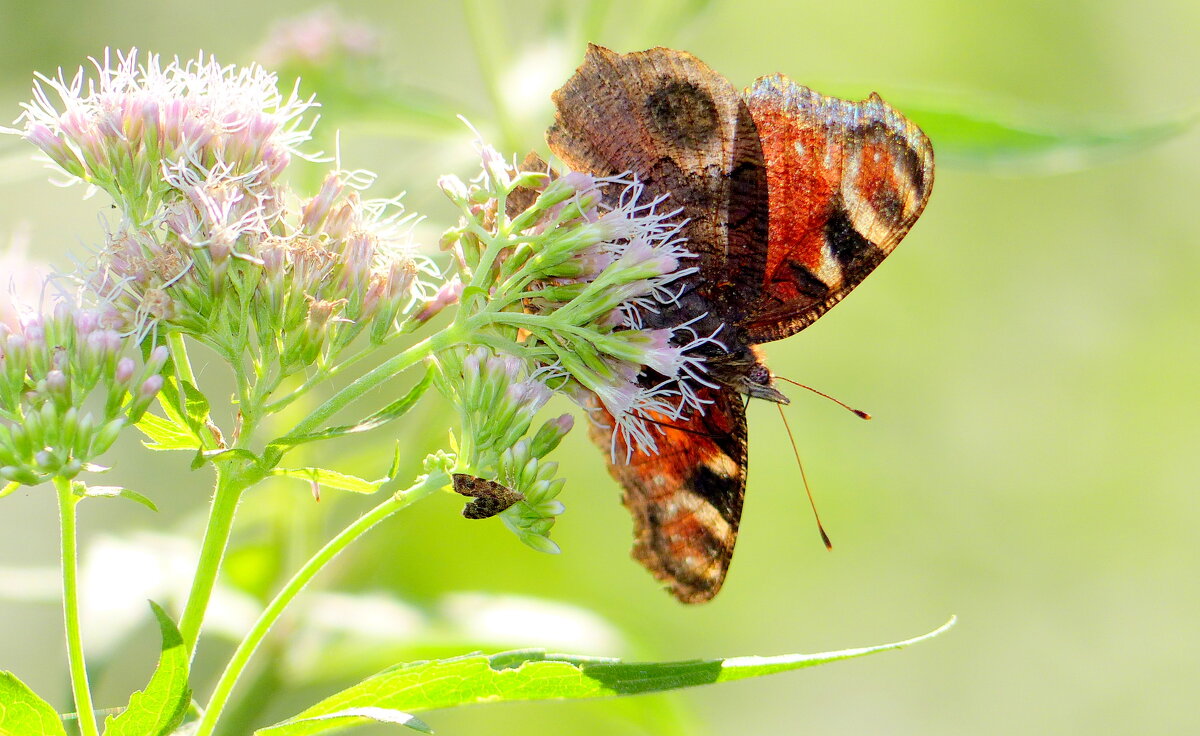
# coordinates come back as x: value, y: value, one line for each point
x: 158, y: 358
x: 107, y: 435
x: 124, y: 372
x: 56, y: 382
x: 448, y: 294
x: 318, y: 207
x: 551, y: 434
x: 19, y: 475
x: 146, y: 393
x: 45, y: 460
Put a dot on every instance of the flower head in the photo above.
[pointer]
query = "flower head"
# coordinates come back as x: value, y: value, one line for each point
x: 588, y: 260
x: 123, y: 128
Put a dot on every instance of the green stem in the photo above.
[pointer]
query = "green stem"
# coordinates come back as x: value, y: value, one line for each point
x: 495, y: 244
x: 379, y: 374
x: 179, y: 356
x: 230, y: 485
x: 241, y: 656
x: 70, y: 574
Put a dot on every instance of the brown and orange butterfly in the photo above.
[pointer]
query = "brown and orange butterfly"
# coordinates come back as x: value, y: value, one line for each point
x: 791, y: 199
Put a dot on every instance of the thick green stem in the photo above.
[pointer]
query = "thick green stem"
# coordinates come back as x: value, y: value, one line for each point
x: 241, y: 657
x: 70, y: 574
x: 230, y: 484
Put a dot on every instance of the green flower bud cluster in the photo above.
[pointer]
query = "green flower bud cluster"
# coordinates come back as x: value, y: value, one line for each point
x: 68, y: 386
x: 498, y: 402
x: 347, y: 272
x: 530, y: 475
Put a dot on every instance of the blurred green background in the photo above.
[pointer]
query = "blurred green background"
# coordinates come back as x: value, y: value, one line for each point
x: 1030, y: 356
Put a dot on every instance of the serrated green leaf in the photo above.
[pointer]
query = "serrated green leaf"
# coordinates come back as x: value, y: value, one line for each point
x: 158, y: 709
x: 392, y: 411
x: 83, y: 489
x: 23, y: 713
x: 169, y: 398
x: 331, y: 479
x: 165, y: 434
x: 536, y: 675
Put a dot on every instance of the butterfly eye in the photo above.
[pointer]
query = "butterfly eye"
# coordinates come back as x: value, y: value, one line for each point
x: 760, y: 375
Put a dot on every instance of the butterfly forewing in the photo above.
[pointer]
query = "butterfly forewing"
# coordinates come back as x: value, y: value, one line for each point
x: 684, y: 132
x: 846, y: 182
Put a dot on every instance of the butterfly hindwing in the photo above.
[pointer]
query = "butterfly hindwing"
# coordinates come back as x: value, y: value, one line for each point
x: 686, y: 500
x: 846, y: 182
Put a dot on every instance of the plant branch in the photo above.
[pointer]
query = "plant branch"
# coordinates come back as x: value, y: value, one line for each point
x: 70, y: 576
x: 378, y: 375
x: 230, y: 485
x: 275, y: 608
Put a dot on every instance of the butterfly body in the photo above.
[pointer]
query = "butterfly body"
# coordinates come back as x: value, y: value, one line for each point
x: 790, y: 199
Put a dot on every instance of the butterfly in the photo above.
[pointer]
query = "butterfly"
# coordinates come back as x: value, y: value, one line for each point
x: 791, y: 198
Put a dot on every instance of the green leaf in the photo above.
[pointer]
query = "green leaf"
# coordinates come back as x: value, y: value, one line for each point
x: 536, y: 675
x: 392, y: 411
x: 226, y: 454
x: 158, y: 709
x: 82, y: 489
x: 23, y: 713
x: 165, y: 434
x: 332, y: 479
x: 1011, y: 138
x: 391, y: 110
x: 353, y: 716
x: 169, y: 398
x: 196, y: 406
x: 9, y: 488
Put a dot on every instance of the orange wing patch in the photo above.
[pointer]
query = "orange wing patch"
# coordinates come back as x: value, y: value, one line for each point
x: 686, y: 501
x: 846, y: 181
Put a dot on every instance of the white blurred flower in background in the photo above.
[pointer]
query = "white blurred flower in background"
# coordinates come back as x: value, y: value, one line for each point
x: 21, y: 278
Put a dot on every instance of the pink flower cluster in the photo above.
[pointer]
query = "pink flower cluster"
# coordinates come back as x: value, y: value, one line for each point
x: 317, y: 38
x: 122, y: 129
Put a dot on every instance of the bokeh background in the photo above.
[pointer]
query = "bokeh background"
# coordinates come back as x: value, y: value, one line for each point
x: 1030, y: 354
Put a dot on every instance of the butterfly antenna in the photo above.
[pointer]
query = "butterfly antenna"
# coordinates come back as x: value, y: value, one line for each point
x: 804, y: 477
x: 857, y: 412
